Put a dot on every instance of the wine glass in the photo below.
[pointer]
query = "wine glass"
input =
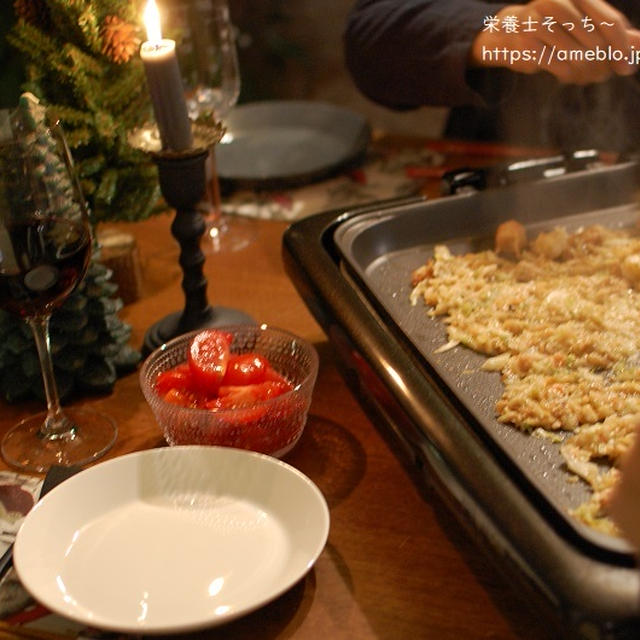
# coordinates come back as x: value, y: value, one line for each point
x: 211, y: 75
x: 45, y: 248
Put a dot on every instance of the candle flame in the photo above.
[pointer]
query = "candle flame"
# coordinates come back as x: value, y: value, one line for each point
x: 152, y: 21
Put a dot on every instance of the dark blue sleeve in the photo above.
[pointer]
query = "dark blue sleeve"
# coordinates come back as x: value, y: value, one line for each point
x: 408, y: 53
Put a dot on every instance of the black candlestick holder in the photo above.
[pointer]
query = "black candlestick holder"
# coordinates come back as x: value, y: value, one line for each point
x: 182, y: 177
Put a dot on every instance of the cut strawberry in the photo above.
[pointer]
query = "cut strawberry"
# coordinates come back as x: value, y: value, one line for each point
x: 248, y: 394
x: 272, y: 375
x: 245, y: 368
x: 181, y: 398
x: 177, y: 378
x: 208, y: 358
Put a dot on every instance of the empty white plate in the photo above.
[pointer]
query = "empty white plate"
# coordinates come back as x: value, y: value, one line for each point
x: 171, y: 540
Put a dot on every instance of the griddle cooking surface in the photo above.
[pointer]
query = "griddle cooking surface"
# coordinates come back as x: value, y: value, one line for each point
x: 383, y: 249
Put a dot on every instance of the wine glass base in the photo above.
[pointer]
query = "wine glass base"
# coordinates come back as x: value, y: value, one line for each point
x: 25, y: 448
x: 226, y: 236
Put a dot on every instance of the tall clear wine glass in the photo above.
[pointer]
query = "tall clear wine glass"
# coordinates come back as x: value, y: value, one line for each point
x: 45, y: 248
x: 211, y: 75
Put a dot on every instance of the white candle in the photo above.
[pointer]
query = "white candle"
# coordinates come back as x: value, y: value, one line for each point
x: 165, y: 84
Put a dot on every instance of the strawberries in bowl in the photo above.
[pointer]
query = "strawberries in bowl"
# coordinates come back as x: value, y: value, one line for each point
x: 246, y: 386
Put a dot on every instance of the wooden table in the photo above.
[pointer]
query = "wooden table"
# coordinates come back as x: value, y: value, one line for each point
x: 396, y: 565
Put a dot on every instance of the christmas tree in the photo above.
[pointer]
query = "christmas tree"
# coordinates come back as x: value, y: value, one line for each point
x: 81, y: 61
x: 89, y: 342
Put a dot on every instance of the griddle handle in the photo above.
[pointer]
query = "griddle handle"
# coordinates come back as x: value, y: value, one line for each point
x: 463, y: 179
x: 468, y: 179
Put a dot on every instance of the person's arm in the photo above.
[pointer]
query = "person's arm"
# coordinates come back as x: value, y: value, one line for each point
x: 408, y: 53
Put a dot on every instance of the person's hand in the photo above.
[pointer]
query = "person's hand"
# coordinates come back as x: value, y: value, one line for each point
x: 577, y: 41
x: 624, y: 503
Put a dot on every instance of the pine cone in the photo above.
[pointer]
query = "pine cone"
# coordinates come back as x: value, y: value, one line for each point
x: 35, y: 12
x: 119, y: 39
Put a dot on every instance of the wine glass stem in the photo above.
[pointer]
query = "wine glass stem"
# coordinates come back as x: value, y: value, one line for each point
x: 214, y: 185
x: 55, y: 425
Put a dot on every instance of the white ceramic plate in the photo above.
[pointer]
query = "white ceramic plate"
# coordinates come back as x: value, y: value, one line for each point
x: 171, y: 540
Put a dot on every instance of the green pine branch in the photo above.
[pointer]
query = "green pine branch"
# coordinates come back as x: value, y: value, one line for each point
x: 137, y: 111
x: 69, y: 115
x: 90, y: 28
x: 124, y: 87
x: 32, y: 42
x: 130, y: 11
x: 90, y: 166
x: 96, y: 100
x: 139, y: 199
x: 78, y: 137
x: 67, y: 15
x: 82, y: 63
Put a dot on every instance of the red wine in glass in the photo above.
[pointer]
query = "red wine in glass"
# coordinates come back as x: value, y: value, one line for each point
x: 49, y: 258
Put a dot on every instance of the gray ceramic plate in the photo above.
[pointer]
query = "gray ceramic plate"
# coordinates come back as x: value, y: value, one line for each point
x: 280, y: 143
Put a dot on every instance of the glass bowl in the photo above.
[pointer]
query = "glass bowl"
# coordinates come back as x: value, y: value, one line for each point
x: 272, y: 426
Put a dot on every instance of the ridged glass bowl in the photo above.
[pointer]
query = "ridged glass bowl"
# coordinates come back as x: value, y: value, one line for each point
x: 272, y: 426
